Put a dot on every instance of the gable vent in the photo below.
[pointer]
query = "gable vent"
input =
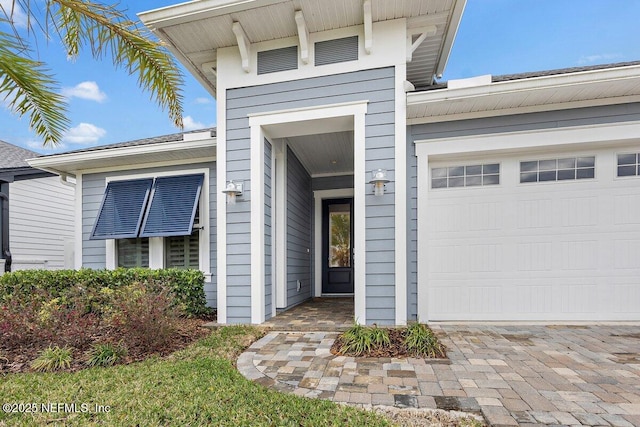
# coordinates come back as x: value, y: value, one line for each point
x: 338, y: 50
x: 272, y: 61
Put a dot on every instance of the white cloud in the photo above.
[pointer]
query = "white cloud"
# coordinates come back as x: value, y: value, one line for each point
x: 37, y: 146
x: 84, y: 133
x: 85, y: 90
x: 14, y: 12
x: 190, y: 124
x: 605, y: 57
x: 203, y: 101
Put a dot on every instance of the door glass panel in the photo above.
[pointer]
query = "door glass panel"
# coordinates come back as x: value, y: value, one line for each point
x: 339, y: 235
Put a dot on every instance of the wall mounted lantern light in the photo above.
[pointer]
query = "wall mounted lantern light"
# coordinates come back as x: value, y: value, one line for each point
x: 378, y: 179
x: 232, y: 190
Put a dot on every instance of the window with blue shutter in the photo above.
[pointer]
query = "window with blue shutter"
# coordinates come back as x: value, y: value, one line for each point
x: 122, y: 209
x: 172, y: 206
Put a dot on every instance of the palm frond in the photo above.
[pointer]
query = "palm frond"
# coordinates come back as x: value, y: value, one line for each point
x: 27, y: 88
x: 107, y: 31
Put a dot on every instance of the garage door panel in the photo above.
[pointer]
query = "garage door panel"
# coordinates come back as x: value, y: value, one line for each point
x: 536, y: 251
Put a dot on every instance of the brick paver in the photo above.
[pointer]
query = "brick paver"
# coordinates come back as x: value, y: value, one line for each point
x: 513, y: 375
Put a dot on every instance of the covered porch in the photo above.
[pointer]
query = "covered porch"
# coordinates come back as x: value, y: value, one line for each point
x: 317, y: 314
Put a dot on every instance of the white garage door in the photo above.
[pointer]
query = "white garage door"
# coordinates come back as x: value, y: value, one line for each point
x: 560, y: 246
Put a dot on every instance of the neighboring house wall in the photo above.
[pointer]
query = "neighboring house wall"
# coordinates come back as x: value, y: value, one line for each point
x: 376, y: 86
x: 41, y: 223
x: 93, y: 186
x: 299, y: 213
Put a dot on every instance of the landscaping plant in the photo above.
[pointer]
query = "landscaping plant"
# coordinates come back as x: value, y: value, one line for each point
x: 52, y: 359
x: 106, y: 354
x: 421, y: 341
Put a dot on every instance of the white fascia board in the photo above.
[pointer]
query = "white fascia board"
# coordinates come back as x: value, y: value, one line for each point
x: 200, y: 9
x: 579, y: 79
x: 63, y: 162
x: 450, y: 35
x: 530, y: 140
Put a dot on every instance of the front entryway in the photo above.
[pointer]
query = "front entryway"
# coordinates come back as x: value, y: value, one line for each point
x: 337, y: 248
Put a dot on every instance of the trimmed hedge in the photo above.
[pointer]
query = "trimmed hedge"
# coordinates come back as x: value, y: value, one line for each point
x: 186, y: 286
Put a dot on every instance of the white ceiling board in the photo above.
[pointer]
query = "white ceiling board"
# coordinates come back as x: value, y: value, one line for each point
x: 325, y: 154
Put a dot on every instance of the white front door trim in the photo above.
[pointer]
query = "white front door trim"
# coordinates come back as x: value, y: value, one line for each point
x: 259, y: 124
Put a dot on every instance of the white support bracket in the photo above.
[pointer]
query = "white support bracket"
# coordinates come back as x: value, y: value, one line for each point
x: 210, y: 68
x: 243, y: 44
x: 303, y: 36
x: 368, y: 26
x: 425, y: 32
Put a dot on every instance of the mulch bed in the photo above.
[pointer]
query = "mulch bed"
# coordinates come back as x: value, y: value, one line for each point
x: 396, y: 347
x: 18, y: 359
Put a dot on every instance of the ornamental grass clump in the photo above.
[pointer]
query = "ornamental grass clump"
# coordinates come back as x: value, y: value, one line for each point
x: 361, y: 340
x: 421, y: 341
x: 106, y: 354
x: 52, y: 359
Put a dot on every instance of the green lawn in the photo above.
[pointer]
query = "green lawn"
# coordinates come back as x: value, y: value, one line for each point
x: 196, y: 386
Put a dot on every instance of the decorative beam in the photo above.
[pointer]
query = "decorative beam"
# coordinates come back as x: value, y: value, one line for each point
x: 303, y: 36
x: 243, y: 44
x: 368, y: 26
x: 210, y: 67
x: 425, y: 32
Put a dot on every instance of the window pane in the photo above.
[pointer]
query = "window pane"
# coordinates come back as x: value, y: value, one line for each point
x: 585, y: 173
x: 566, y: 163
x: 566, y: 174
x: 132, y: 253
x: 493, y: 168
x: 528, y: 167
x: 339, y: 235
x: 456, y: 171
x: 626, y: 170
x: 439, y: 173
x: 586, y: 162
x: 456, y: 182
x: 491, y: 179
x: 547, y: 165
x: 473, y: 170
x: 182, y: 251
x: 529, y: 177
x: 473, y: 181
x: 627, y: 159
x: 547, y: 176
x: 439, y: 183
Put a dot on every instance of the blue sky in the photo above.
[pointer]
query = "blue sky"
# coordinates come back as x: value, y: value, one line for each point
x: 495, y: 37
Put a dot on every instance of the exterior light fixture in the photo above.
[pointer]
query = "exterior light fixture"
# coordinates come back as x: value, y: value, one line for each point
x: 232, y: 190
x: 378, y: 179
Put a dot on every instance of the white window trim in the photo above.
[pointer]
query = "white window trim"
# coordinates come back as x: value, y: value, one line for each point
x: 156, y: 244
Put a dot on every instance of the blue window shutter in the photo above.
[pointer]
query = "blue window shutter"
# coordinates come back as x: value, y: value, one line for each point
x: 173, y: 206
x: 122, y: 209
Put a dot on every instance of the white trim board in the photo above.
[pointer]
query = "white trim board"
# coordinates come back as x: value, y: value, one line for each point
x: 259, y: 128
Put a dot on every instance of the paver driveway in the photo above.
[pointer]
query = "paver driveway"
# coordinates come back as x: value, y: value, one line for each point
x: 514, y: 375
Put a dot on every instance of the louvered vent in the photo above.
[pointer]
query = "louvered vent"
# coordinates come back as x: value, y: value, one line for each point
x: 338, y: 50
x: 272, y: 61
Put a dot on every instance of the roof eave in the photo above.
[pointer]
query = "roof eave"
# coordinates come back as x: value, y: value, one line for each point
x: 70, y: 163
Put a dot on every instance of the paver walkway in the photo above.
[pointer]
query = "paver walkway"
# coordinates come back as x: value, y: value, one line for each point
x: 513, y: 375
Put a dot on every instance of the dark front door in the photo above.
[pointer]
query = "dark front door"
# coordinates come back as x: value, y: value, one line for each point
x: 337, y: 251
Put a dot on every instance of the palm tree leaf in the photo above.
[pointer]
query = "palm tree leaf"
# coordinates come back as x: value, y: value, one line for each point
x: 28, y: 89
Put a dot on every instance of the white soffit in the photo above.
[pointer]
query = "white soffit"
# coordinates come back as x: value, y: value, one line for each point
x: 561, y: 91
x: 195, y: 30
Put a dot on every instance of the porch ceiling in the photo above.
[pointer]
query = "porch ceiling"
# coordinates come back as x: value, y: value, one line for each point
x: 325, y: 154
x: 195, y: 30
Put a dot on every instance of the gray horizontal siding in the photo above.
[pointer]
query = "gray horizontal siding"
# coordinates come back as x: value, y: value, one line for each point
x: 332, y: 182
x: 299, y: 212
x: 376, y: 86
x: 93, y: 186
x: 268, y: 247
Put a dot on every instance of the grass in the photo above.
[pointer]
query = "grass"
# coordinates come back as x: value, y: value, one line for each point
x: 52, y: 359
x: 196, y: 386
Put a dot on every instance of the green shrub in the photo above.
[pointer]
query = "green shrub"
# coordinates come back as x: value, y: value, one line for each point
x: 106, y: 354
x: 421, y: 341
x: 359, y: 340
x: 52, y: 359
x: 85, y: 287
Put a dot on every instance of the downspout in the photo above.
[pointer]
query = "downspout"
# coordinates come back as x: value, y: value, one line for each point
x: 6, y: 252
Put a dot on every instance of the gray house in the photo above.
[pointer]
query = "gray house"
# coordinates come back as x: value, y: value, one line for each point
x: 340, y: 167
